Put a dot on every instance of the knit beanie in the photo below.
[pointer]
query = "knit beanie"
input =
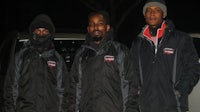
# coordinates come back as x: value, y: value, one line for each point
x: 159, y: 3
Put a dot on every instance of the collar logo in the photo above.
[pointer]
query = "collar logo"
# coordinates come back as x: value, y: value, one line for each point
x: 168, y: 51
x: 51, y: 64
x: 109, y: 58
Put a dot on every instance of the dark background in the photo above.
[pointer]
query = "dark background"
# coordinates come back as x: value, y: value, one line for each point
x: 71, y: 16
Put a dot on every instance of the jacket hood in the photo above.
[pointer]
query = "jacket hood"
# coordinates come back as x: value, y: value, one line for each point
x: 42, y: 21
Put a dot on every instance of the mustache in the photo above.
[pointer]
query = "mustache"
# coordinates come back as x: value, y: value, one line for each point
x: 96, y: 31
x: 97, y: 38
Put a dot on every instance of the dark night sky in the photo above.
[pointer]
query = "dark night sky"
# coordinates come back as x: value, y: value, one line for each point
x: 71, y: 15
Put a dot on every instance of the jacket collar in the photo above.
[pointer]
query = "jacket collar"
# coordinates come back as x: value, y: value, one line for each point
x: 160, y: 31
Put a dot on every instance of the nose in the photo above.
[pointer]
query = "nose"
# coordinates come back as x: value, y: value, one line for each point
x: 153, y: 12
x: 95, y: 27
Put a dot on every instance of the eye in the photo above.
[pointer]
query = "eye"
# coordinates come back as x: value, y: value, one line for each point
x: 45, y: 31
x: 90, y: 24
x: 36, y: 31
x: 101, y: 23
x: 148, y: 10
x: 158, y: 10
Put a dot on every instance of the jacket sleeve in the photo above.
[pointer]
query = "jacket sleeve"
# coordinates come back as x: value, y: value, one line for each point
x: 8, y: 90
x: 8, y: 102
x: 190, y: 66
x: 132, y: 77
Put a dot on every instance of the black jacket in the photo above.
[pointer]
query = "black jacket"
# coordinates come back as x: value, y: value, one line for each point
x: 6, y: 51
x: 103, y: 75
x: 167, y: 72
x: 37, y: 81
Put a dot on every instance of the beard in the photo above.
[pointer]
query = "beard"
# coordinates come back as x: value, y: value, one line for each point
x: 97, y: 38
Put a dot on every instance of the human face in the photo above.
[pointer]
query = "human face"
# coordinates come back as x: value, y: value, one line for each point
x: 97, y: 27
x: 41, y: 31
x: 154, y: 16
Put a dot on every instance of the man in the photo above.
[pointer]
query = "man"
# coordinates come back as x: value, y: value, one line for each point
x: 37, y: 78
x: 167, y: 62
x: 103, y: 72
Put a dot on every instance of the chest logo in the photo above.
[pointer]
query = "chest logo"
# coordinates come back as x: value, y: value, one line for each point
x: 109, y: 58
x: 51, y: 64
x: 168, y: 51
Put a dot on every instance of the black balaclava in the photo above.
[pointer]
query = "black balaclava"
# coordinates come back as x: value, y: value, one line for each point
x: 42, y: 43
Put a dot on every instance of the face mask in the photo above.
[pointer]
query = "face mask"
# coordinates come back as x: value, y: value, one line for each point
x: 38, y: 39
x: 42, y: 43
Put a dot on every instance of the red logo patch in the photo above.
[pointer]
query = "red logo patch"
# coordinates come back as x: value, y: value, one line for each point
x: 168, y: 51
x: 109, y: 58
x: 51, y: 64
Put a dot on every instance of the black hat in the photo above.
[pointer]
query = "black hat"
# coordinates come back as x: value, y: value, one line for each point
x: 159, y: 3
x: 41, y: 24
x: 42, y: 21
